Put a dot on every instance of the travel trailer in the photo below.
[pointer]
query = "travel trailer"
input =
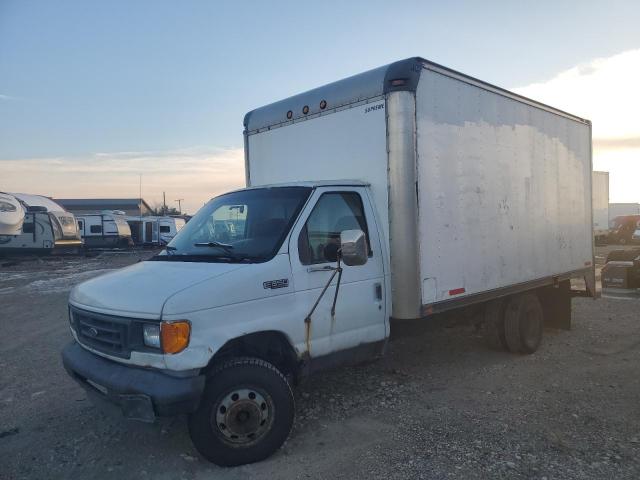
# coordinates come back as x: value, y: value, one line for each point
x: 108, y: 229
x: 373, y: 202
x: 11, y: 215
x: 46, y: 228
x: 153, y: 230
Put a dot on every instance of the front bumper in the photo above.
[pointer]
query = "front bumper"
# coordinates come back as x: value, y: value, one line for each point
x: 141, y: 394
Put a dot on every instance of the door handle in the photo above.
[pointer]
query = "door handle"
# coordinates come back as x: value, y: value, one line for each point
x: 378, y: 291
x: 326, y: 268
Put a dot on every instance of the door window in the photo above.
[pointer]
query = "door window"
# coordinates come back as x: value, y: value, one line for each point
x: 335, y: 212
x: 95, y: 229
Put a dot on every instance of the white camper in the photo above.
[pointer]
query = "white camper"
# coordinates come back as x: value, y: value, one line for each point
x: 11, y: 215
x: 389, y: 196
x: 46, y: 228
x: 600, y: 205
x: 108, y: 229
x: 154, y: 230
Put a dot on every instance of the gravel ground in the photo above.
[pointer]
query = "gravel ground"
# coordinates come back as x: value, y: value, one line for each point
x: 439, y: 405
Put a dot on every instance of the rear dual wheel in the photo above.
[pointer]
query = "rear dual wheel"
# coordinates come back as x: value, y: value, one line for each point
x: 245, y: 415
x: 515, y: 323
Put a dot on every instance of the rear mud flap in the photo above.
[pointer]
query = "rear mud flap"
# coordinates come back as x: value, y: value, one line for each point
x: 556, y: 305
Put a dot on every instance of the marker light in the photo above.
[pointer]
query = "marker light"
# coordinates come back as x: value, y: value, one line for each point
x: 305, y: 109
x: 289, y: 114
x: 323, y: 104
x: 175, y: 336
x: 398, y: 82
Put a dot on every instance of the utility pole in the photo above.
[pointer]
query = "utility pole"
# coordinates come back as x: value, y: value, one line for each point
x: 179, y: 200
x: 164, y: 204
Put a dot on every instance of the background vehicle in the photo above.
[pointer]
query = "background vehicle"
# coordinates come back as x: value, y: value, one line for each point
x: 152, y: 230
x: 107, y: 229
x: 384, y: 198
x: 47, y: 227
x: 622, y: 229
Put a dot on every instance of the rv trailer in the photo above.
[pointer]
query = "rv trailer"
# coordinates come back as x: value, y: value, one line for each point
x: 108, y: 229
x: 47, y: 228
x: 153, y: 230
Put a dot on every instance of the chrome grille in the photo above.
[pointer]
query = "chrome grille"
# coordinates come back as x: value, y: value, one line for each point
x: 103, y: 333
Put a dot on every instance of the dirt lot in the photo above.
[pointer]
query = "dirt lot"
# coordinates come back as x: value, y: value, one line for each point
x: 440, y: 405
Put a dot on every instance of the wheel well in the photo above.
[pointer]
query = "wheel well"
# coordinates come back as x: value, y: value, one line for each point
x: 272, y: 346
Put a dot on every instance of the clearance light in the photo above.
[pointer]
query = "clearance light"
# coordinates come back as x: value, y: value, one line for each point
x: 289, y: 114
x: 174, y: 336
x: 398, y: 82
x: 323, y: 104
x: 305, y: 109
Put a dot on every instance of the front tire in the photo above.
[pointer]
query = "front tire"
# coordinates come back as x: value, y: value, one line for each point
x: 245, y: 414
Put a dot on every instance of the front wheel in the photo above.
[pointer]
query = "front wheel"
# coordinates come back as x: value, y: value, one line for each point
x: 245, y: 415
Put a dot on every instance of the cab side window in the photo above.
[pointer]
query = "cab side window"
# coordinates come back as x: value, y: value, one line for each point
x: 319, y: 240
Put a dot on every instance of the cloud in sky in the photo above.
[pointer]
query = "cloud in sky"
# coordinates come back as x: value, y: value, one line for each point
x: 604, y: 90
x: 195, y: 174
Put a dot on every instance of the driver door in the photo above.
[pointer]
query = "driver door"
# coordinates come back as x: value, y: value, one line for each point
x: 360, y: 316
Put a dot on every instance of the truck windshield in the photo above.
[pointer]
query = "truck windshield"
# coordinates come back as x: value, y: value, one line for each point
x: 244, y: 226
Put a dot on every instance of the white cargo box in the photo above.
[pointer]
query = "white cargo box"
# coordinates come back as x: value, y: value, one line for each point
x: 480, y: 191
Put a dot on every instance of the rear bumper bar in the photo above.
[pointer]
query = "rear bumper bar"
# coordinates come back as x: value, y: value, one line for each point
x: 141, y: 394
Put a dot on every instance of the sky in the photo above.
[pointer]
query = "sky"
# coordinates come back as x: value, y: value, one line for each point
x: 92, y: 94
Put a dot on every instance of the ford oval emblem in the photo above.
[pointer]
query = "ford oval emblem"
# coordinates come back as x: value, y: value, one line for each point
x: 92, y: 332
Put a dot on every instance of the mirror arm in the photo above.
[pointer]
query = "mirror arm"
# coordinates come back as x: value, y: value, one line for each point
x: 336, y: 270
x: 335, y: 296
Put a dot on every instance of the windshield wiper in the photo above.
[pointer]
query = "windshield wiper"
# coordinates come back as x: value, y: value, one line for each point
x: 225, y: 246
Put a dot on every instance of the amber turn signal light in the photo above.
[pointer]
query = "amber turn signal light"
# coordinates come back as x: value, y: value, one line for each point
x: 174, y: 336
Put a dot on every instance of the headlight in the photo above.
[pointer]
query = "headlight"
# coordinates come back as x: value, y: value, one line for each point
x: 151, y: 335
x: 175, y: 336
x: 7, y: 207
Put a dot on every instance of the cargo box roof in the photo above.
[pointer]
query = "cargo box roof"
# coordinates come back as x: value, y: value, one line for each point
x: 401, y: 75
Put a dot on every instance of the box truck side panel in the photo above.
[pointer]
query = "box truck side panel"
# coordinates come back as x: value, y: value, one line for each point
x: 504, y: 190
x: 349, y: 144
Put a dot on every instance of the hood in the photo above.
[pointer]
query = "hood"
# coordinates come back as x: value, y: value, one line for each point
x: 143, y: 288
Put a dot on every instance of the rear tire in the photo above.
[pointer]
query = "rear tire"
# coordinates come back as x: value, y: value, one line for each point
x: 494, y: 324
x: 245, y: 415
x: 523, y: 323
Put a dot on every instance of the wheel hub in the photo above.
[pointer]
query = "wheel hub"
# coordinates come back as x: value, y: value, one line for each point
x: 243, y: 415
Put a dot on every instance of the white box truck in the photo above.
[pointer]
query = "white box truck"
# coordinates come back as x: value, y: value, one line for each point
x: 600, y: 191
x: 395, y: 194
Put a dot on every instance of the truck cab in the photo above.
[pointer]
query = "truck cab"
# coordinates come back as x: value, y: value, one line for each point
x: 210, y: 298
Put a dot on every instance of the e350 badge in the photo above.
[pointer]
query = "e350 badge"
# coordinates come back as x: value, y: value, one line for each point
x: 282, y: 283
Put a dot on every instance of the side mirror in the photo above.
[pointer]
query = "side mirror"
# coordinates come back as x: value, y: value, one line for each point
x: 353, y: 244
